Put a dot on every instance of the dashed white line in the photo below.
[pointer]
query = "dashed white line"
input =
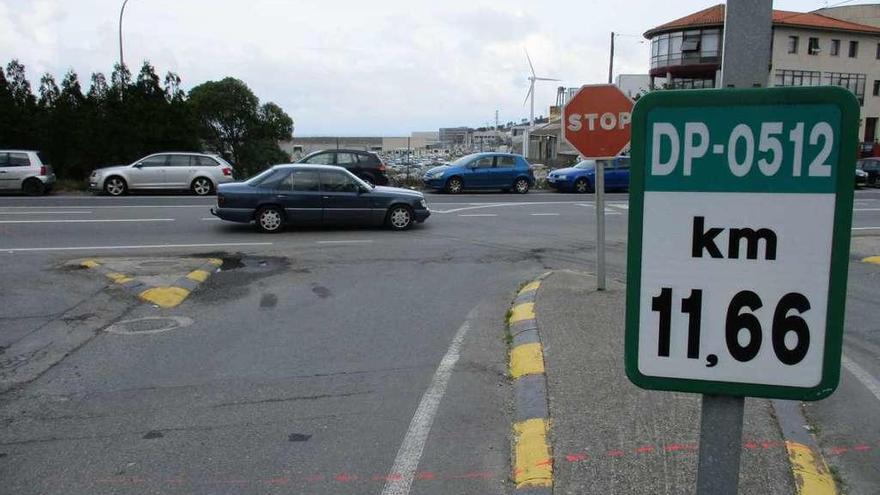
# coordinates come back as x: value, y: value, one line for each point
x: 479, y: 215
x: 150, y: 246
x: 210, y: 219
x: 545, y: 214
x: 80, y: 212
x: 352, y: 241
x: 866, y: 228
x: 861, y: 375
x: 92, y: 220
x: 866, y: 209
x: 410, y: 453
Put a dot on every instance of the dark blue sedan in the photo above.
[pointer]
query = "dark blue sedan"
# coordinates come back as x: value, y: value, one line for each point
x: 582, y: 177
x: 317, y: 195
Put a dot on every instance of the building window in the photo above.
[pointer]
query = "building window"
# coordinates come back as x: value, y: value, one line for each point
x: 835, y: 48
x: 813, y: 48
x: 691, y: 42
x: 878, y: 51
x: 691, y: 83
x: 798, y: 78
x: 853, y: 49
x: 852, y: 82
x: 698, y: 46
x: 792, y: 44
x: 876, y: 88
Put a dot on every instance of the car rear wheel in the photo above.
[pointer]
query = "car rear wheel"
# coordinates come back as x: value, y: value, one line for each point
x: 115, y: 186
x: 400, y: 218
x: 582, y: 186
x: 454, y: 185
x: 33, y: 187
x: 270, y: 219
x: 521, y: 186
x: 202, y: 186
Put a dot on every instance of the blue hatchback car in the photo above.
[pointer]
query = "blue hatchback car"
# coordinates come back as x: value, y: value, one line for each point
x: 502, y: 171
x: 582, y: 177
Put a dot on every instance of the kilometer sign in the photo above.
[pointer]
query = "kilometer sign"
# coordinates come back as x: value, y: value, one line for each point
x: 740, y: 214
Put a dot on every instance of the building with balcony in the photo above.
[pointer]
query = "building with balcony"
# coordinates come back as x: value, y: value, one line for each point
x: 808, y: 49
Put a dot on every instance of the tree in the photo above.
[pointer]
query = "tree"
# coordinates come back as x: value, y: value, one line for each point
x: 233, y: 123
x: 23, y: 127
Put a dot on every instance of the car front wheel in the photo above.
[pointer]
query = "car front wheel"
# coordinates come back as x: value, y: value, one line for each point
x: 400, y: 218
x: 521, y: 186
x: 270, y: 219
x: 454, y: 185
x: 582, y: 186
x: 115, y: 186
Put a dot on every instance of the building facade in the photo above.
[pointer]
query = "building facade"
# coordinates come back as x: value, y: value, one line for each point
x: 456, y: 136
x: 808, y: 49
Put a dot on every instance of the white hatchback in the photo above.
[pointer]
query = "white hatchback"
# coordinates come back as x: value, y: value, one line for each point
x: 200, y: 173
x: 24, y: 171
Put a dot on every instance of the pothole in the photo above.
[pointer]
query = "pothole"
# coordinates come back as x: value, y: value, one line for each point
x: 149, y: 325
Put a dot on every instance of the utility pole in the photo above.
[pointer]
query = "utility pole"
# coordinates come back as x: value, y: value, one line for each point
x: 121, y: 11
x: 745, y: 62
x: 611, y: 60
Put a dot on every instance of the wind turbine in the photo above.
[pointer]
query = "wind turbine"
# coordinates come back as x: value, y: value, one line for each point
x: 531, y: 95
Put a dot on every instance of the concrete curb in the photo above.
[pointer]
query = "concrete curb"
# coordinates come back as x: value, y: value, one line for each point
x: 808, y: 466
x: 162, y: 296
x: 531, y: 457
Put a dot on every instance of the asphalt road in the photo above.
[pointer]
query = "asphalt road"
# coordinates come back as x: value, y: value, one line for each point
x: 316, y: 361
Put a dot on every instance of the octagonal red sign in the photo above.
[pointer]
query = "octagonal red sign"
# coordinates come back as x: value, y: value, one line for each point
x: 597, y: 120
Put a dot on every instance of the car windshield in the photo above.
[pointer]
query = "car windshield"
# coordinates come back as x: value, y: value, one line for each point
x: 463, y: 160
x: 586, y: 164
x: 261, y: 177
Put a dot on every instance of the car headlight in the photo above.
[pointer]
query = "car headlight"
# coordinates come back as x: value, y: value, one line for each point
x: 562, y: 177
x: 861, y: 173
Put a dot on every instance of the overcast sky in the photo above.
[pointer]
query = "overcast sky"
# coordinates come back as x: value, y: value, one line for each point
x: 353, y: 67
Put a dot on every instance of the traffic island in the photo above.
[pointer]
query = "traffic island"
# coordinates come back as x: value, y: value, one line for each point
x: 164, y: 282
x: 609, y: 436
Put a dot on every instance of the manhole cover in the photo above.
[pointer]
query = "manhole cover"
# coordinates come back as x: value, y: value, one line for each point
x: 149, y: 325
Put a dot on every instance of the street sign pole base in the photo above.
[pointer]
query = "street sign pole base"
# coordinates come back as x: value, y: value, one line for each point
x: 721, y: 424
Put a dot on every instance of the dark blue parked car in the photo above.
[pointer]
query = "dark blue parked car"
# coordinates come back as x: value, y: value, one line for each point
x: 482, y: 171
x: 317, y: 194
x: 582, y: 177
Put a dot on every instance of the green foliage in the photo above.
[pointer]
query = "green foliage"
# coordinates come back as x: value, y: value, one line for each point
x: 128, y: 116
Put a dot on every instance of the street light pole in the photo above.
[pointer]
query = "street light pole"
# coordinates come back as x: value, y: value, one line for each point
x: 121, y: 11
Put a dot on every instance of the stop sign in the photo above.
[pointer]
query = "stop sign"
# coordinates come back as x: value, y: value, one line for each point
x: 597, y: 120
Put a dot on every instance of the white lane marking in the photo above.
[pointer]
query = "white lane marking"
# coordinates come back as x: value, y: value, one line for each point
x: 496, y: 205
x: 410, y: 453
x: 608, y: 211
x: 545, y: 214
x: 866, y: 228
x: 79, y: 212
x: 93, y: 207
x: 866, y: 209
x: 92, y: 220
x: 353, y: 241
x: 153, y: 246
x: 210, y: 219
x: 479, y: 215
x: 861, y: 375
x: 622, y: 206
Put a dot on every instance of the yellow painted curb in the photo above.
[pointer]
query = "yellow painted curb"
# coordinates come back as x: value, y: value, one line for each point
x: 119, y: 278
x: 530, y: 286
x: 532, y: 465
x: 198, y: 275
x: 526, y: 359
x: 872, y: 259
x: 522, y: 312
x: 811, y: 475
x: 215, y: 261
x: 165, y: 297
x: 90, y: 263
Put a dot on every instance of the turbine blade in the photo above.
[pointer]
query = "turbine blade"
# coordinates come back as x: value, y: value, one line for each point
x: 531, y: 88
x: 532, y: 67
x: 546, y: 79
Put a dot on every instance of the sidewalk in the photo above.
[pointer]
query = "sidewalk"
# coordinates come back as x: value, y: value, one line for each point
x: 607, y: 435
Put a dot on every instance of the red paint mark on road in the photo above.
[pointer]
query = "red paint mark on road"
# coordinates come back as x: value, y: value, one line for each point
x: 425, y: 475
x: 769, y: 445
x: 280, y: 481
x: 615, y: 453
x: 545, y: 462
x: 675, y: 447
x: 862, y: 447
x: 576, y: 457
x: 645, y: 449
x: 389, y: 477
x: 315, y: 478
x: 518, y: 471
x: 838, y: 450
x: 345, y: 477
x: 690, y: 446
x: 750, y: 445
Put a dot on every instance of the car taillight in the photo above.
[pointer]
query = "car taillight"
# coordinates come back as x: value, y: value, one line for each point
x: 227, y: 171
x: 43, y: 170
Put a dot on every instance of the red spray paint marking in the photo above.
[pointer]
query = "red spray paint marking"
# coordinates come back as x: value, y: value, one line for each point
x: 838, y: 450
x: 769, y: 445
x: 545, y: 462
x: 615, y: 453
x: 750, y: 445
x: 345, y: 477
x: 862, y: 448
x: 576, y: 457
x: 389, y: 477
x: 315, y: 478
x: 281, y: 481
x: 645, y: 449
x: 425, y: 475
x: 675, y: 447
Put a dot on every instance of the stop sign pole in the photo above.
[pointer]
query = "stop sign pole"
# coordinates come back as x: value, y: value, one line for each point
x: 596, y: 122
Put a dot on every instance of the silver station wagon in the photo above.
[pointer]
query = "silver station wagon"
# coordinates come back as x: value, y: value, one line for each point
x: 200, y: 173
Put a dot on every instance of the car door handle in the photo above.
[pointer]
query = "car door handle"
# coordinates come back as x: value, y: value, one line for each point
x: 325, y: 197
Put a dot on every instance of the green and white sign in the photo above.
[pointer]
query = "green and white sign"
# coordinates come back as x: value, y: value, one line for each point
x: 740, y: 216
